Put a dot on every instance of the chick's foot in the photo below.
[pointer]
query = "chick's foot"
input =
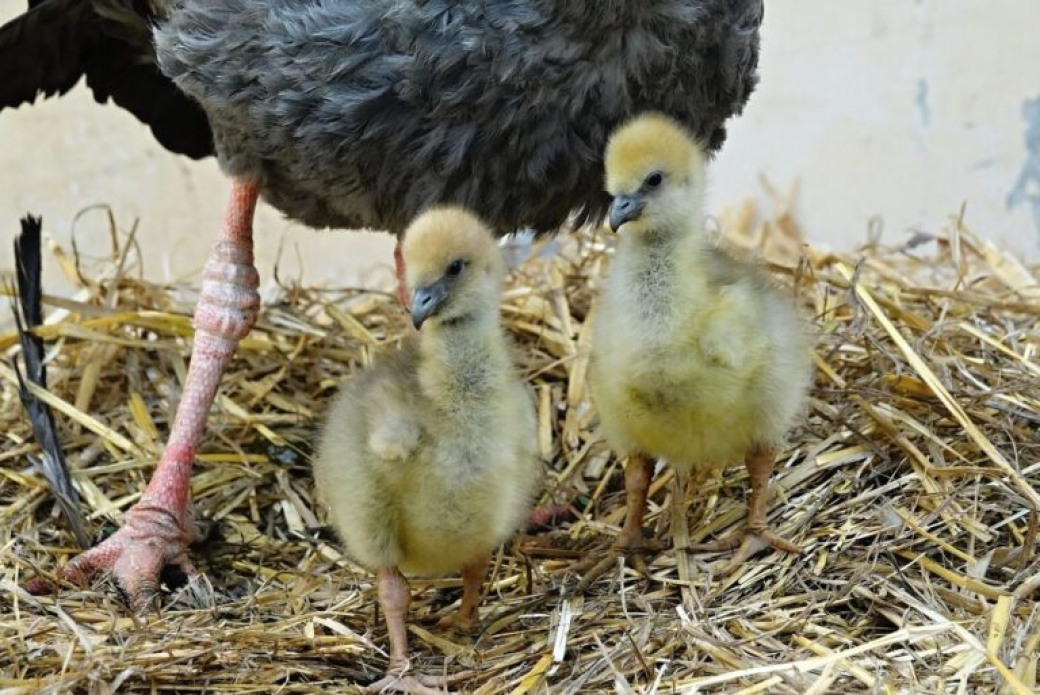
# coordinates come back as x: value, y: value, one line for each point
x: 463, y: 623
x: 757, y: 535
x: 631, y: 543
x: 153, y: 537
x: 466, y: 619
x: 748, y: 544
x: 600, y: 561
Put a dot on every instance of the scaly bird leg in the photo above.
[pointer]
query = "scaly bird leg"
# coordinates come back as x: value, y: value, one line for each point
x: 757, y: 535
x: 157, y: 530
x: 467, y: 618
x: 638, y: 473
x: 394, y: 598
x: 402, y: 284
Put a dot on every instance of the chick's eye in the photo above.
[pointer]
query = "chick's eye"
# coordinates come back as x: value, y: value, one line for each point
x: 455, y: 268
x: 654, y: 180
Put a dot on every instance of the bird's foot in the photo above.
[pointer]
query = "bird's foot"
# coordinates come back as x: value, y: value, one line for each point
x: 598, y: 562
x: 399, y: 681
x: 151, y: 539
x: 460, y: 623
x: 748, y: 544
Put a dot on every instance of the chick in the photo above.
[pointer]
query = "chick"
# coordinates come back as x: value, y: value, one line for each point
x: 696, y: 357
x: 428, y: 459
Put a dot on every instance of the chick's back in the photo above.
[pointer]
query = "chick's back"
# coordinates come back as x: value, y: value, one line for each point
x: 697, y: 364
x: 411, y: 485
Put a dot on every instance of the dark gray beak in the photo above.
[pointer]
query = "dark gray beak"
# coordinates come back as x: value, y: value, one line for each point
x: 428, y: 302
x: 625, y: 208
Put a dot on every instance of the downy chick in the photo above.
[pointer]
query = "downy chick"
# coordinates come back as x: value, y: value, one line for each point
x: 696, y: 356
x: 428, y: 459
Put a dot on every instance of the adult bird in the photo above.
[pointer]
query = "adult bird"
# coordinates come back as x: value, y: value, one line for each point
x: 362, y: 114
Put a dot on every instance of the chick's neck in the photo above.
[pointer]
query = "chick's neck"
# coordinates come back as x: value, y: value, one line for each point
x: 462, y: 361
x: 661, y: 266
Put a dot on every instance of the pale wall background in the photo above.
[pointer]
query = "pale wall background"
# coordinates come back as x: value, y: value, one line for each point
x: 902, y: 109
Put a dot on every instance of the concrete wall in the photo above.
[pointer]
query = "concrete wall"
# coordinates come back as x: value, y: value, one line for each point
x: 897, y: 108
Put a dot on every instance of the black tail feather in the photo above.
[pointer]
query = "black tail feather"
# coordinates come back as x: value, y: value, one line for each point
x: 28, y: 314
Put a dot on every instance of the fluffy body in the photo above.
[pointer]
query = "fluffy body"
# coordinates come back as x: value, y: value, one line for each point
x: 427, y: 460
x: 697, y: 357
x: 362, y: 114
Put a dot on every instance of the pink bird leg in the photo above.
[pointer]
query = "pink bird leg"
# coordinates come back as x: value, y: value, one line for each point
x: 402, y: 284
x: 158, y: 529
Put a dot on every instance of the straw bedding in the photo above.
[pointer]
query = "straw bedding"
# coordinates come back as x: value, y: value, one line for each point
x: 911, y: 484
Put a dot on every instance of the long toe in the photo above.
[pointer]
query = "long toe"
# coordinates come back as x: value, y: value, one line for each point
x: 134, y: 556
x: 137, y: 572
x: 598, y: 563
x: 718, y: 546
x: 594, y: 566
x: 456, y: 622
x: 748, y: 544
x: 641, y: 546
x: 755, y: 542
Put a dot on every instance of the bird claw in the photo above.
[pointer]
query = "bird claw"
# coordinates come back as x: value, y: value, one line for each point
x: 595, y: 566
x: 152, y: 539
x: 416, y: 685
x: 462, y: 624
x: 748, y: 544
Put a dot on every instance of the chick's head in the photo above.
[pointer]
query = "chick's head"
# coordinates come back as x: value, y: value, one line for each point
x: 452, y: 266
x: 655, y: 173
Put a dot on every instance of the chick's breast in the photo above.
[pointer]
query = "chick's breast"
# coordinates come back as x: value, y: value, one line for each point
x: 701, y: 387
x: 460, y: 492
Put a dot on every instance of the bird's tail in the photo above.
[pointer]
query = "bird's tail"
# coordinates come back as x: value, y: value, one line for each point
x: 28, y: 314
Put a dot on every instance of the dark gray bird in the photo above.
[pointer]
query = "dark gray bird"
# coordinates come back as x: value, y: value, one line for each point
x: 28, y: 314
x: 362, y: 114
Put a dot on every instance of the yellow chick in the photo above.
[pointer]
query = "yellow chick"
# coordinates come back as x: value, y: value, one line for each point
x: 428, y: 459
x: 697, y: 358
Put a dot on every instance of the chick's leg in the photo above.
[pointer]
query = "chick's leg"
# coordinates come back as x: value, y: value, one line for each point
x: 394, y: 598
x: 467, y: 618
x: 757, y: 535
x: 638, y: 473
x: 158, y: 529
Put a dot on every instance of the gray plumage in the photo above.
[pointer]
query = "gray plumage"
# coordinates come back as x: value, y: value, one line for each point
x: 361, y: 114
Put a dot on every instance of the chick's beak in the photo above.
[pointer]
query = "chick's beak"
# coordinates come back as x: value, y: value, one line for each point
x: 625, y: 208
x: 428, y: 301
